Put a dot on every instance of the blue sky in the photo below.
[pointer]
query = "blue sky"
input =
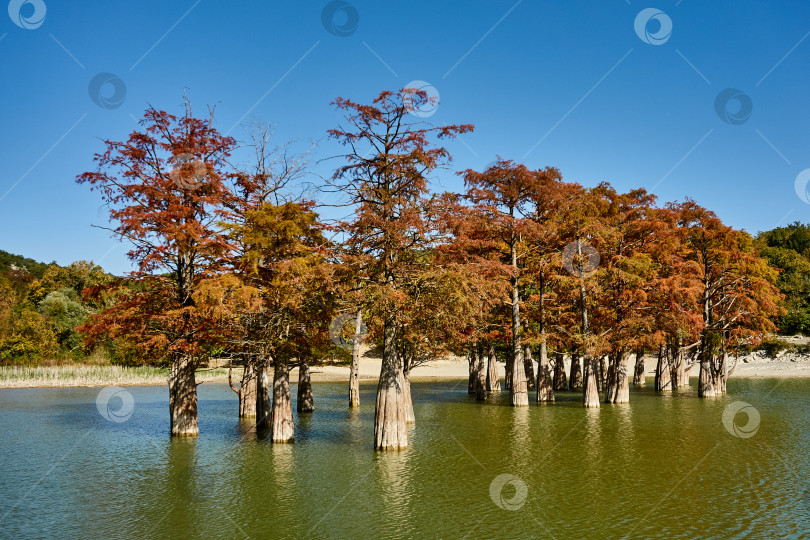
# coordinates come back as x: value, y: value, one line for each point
x: 567, y: 83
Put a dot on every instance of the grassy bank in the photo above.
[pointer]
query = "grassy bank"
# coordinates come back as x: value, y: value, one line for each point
x: 84, y: 375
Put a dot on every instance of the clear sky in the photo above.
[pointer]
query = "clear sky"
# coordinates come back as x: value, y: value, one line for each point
x: 603, y: 90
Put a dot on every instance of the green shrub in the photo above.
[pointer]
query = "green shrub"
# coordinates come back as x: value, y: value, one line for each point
x: 774, y: 346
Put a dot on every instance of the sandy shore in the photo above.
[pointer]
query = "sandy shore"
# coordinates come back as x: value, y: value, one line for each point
x: 787, y: 366
x: 458, y: 369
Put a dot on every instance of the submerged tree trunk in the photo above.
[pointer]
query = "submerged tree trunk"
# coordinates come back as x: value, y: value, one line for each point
x: 183, y: 397
x: 481, y: 376
x: 706, y: 386
x: 639, y: 376
x: 560, y: 381
x: 390, y: 416
x: 246, y: 391
x: 682, y: 375
x: 473, y: 363
x: 354, y: 372
x: 507, y: 380
x: 305, y: 402
x: 721, y: 374
x: 598, y: 375
x: 601, y: 374
x: 611, y: 386
x: 281, y: 417
x: 590, y: 395
x: 663, y: 382
x: 705, y: 379
x: 410, y: 418
x: 263, y: 401
x: 493, y: 379
x: 528, y: 366
x: 545, y: 385
x: 575, y: 378
x: 622, y: 393
x: 518, y: 392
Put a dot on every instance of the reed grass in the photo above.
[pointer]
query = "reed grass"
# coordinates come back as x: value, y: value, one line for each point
x: 94, y: 375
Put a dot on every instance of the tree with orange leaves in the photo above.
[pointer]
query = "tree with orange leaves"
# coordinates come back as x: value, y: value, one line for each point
x: 385, y: 179
x: 737, y: 296
x: 622, y: 313
x: 502, y: 196
x: 167, y: 193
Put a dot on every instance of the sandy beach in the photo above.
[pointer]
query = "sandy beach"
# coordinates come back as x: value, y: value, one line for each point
x: 789, y: 365
x: 456, y: 368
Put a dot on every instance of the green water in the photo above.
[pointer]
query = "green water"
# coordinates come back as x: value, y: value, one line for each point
x: 659, y: 467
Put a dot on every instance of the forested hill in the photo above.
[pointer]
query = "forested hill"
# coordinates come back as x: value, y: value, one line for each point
x: 7, y: 260
x: 788, y: 249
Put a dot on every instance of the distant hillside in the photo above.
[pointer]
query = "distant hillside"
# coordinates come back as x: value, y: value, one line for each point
x: 8, y: 259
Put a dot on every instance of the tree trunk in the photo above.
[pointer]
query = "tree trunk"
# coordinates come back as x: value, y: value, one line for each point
x: 575, y: 378
x: 390, y: 416
x: 354, y: 373
x: 545, y: 386
x: 622, y: 383
x: 611, y: 382
x: 590, y: 395
x: 305, y: 402
x: 481, y: 376
x: 560, y: 381
x: 263, y: 410
x: 673, y: 366
x: 473, y: 361
x: 518, y: 392
x: 410, y: 418
x: 281, y: 416
x: 706, y: 386
x: 663, y: 382
x: 507, y: 382
x: 246, y: 391
x: 639, y: 377
x: 721, y: 375
x: 683, y: 375
x: 183, y: 397
x: 493, y: 379
x: 705, y: 379
x: 601, y: 374
x: 528, y: 366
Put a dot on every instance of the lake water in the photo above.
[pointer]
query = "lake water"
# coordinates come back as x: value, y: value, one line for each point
x: 659, y: 467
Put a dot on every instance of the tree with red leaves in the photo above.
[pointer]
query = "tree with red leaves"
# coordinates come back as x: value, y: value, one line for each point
x: 622, y: 313
x: 737, y: 295
x: 503, y: 195
x: 167, y: 193
x: 385, y: 178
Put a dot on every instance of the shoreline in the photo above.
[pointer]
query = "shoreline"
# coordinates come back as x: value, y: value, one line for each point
x: 82, y: 376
